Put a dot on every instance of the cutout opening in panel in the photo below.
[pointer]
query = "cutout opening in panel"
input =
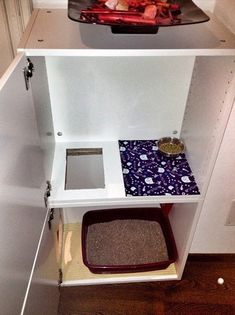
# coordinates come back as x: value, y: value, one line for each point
x: 84, y: 168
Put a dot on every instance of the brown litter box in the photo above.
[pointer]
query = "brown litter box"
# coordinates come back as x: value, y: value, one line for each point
x: 127, y: 240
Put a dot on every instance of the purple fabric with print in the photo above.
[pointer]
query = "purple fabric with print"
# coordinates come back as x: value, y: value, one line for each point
x: 147, y: 172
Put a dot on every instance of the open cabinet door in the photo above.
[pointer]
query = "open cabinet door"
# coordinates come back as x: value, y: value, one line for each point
x: 42, y: 296
x: 22, y: 186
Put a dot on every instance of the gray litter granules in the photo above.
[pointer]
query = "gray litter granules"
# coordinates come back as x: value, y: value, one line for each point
x: 125, y: 242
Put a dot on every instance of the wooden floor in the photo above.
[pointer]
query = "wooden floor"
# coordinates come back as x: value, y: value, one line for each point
x: 198, y: 293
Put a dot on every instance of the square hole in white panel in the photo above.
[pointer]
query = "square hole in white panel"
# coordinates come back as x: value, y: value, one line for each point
x: 230, y: 221
x: 84, y: 168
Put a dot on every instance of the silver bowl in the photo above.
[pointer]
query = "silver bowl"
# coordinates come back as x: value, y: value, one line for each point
x: 170, y: 147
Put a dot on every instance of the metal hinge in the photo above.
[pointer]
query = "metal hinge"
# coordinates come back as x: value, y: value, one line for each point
x: 28, y: 72
x: 50, y: 218
x: 60, y: 280
x: 47, y: 193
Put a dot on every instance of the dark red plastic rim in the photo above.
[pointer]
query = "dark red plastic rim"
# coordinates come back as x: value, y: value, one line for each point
x: 153, y: 214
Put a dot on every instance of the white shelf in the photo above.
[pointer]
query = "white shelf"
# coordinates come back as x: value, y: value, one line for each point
x: 114, y: 186
x: 76, y: 273
x: 53, y: 34
x: 112, y: 194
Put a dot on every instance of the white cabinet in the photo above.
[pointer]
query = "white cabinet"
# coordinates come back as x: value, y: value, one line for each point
x: 89, y: 90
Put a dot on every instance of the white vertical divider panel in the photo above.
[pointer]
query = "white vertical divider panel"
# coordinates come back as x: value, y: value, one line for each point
x: 208, y: 108
x: 212, y: 234
x: 111, y: 98
x: 42, y: 105
x: 183, y: 219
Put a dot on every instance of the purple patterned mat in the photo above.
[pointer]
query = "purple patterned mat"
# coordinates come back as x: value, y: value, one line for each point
x: 147, y: 172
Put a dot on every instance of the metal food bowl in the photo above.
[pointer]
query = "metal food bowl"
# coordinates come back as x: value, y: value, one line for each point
x: 170, y: 147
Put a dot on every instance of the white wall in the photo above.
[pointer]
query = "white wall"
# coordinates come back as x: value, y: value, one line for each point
x: 118, y: 98
x: 207, y: 5
x: 204, y: 4
x: 50, y: 4
x: 218, y: 7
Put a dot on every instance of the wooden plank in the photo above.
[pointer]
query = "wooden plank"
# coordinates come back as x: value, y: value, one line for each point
x: 14, y: 16
x: 15, y: 21
x: 5, y: 41
x: 197, y: 293
x: 18, y: 13
x: 27, y: 30
x: 26, y: 8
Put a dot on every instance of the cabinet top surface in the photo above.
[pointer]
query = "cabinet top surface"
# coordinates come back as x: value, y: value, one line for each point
x: 51, y: 32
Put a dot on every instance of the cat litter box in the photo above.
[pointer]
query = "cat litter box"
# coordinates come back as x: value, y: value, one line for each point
x: 127, y: 240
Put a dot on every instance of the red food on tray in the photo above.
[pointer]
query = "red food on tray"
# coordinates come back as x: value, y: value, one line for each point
x: 132, y: 12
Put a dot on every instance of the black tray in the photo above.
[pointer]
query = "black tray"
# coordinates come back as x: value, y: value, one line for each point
x: 190, y: 14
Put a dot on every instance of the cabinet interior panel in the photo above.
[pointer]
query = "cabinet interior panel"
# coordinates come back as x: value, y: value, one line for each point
x: 183, y: 219
x: 42, y: 106
x: 118, y: 98
x: 218, y: 208
x: 209, y: 103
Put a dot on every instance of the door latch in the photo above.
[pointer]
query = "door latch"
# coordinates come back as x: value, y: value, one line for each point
x: 28, y: 72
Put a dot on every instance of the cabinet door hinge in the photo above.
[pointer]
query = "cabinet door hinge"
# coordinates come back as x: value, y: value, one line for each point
x: 47, y: 193
x: 50, y: 218
x: 28, y: 72
x: 60, y: 280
